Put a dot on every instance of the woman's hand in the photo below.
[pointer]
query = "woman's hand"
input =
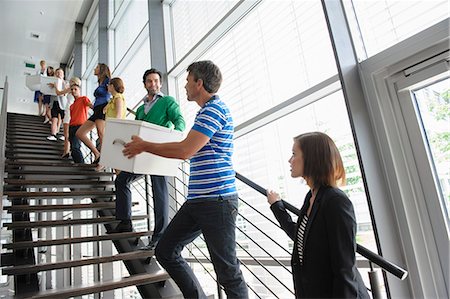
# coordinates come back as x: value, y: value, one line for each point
x: 272, y: 196
x: 51, y: 85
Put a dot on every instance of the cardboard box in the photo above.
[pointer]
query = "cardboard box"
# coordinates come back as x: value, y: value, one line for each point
x: 45, y: 89
x: 119, y: 131
x: 33, y: 82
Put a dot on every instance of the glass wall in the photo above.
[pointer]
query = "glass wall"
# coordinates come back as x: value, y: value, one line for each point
x: 191, y: 20
x: 378, y: 25
x: 129, y: 26
x: 278, y: 51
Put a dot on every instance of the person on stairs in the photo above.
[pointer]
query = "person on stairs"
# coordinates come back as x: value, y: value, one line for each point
x: 164, y: 111
x: 58, y: 104
x: 97, y: 120
x: 78, y: 116
x: 116, y: 107
x: 211, y: 207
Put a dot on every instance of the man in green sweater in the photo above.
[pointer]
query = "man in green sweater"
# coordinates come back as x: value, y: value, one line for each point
x: 164, y: 111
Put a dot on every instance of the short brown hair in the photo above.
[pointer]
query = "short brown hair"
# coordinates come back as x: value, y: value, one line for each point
x: 208, y: 72
x: 322, y: 162
x: 117, y: 83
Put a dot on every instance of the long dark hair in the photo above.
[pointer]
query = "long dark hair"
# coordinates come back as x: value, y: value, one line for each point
x: 103, y: 73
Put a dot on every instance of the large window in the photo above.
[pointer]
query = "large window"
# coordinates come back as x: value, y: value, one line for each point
x: 279, y: 50
x: 129, y: 27
x: 378, y: 25
x: 132, y: 75
x: 277, y: 55
x: 193, y: 19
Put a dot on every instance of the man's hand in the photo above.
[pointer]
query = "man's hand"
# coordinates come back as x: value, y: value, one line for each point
x: 135, y: 147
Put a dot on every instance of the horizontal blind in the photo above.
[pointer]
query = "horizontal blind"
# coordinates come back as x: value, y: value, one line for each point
x: 278, y: 50
x: 381, y: 24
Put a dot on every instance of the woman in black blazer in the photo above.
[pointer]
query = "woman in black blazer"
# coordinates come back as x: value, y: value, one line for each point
x: 323, y: 259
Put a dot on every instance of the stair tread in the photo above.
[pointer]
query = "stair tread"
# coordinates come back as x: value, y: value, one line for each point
x: 23, y: 194
x: 58, y: 172
x: 98, y: 287
x: 64, y: 207
x: 48, y: 164
x: 81, y: 221
x: 73, y: 240
x: 26, y: 182
x: 26, y: 269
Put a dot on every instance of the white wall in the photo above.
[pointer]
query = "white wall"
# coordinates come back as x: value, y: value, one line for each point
x: 20, y: 98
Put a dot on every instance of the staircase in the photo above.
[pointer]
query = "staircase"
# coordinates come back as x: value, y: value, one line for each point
x: 45, y: 193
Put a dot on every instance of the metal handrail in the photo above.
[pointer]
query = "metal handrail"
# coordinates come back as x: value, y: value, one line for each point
x: 370, y: 255
x: 3, y: 114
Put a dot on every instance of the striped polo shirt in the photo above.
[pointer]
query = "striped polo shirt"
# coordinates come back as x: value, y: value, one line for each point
x: 211, y: 169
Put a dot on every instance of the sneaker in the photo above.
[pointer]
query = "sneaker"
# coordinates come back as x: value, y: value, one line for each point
x: 46, y: 120
x: 52, y: 138
x: 61, y: 138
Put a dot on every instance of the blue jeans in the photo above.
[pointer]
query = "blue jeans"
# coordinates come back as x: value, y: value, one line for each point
x: 160, y: 200
x: 216, y: 219
x: 75, y: 145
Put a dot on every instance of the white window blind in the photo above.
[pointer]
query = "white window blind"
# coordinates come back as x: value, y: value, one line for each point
x: 193, y: 19
x: 277, y: 51
x: 129, y: 26
x: 381, y: 24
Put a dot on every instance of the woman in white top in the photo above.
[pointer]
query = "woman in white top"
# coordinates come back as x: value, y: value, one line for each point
x: 58, y: 104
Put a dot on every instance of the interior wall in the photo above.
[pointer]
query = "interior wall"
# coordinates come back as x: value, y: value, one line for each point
x: 20, y: 98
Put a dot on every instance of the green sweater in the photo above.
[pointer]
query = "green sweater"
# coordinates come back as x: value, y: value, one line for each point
x: 165, y: 112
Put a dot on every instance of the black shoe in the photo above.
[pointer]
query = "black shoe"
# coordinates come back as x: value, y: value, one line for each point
x: 124, y: 226
x: 150, y: 246
x: 66, y: 156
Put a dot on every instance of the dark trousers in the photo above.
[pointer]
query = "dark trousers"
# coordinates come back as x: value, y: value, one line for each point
x: 216, y: 219
x: 75, y: 145
x: 160, y: 200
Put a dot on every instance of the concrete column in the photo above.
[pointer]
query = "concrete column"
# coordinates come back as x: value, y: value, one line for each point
x: 157, y: 44
x: 78, y: 64
x: 103, y: 32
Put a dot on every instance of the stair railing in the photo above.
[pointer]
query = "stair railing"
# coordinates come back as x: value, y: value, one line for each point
x: 3, y: 117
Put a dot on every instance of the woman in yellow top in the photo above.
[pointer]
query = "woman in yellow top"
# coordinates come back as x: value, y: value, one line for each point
x: 116, y: 107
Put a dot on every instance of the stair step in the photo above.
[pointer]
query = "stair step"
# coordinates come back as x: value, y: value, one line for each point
x: 45, y: 164
x: 41, y: 243
x: 91, y: 288
x: 56, y: 182
x: 66, y: 222
x: 69, y: 194
x: 27, y: 269
x: 37, y: 142
x: 41, y: 151
x: 52, y: 172
x: 61, y: 207
x: 21, y: 134
x: 36, y: 156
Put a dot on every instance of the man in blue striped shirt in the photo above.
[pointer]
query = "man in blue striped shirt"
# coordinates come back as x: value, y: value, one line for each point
x: 212, y: 202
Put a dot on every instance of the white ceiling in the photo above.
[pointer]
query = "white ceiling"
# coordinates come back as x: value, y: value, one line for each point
x: 53, y: 20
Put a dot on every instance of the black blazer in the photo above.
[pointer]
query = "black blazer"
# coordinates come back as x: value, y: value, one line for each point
x: 329, y: 263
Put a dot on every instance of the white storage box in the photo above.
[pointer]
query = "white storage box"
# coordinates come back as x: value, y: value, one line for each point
x: 33, y: 82
x: 45, y: 89
x: 119, y: 131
